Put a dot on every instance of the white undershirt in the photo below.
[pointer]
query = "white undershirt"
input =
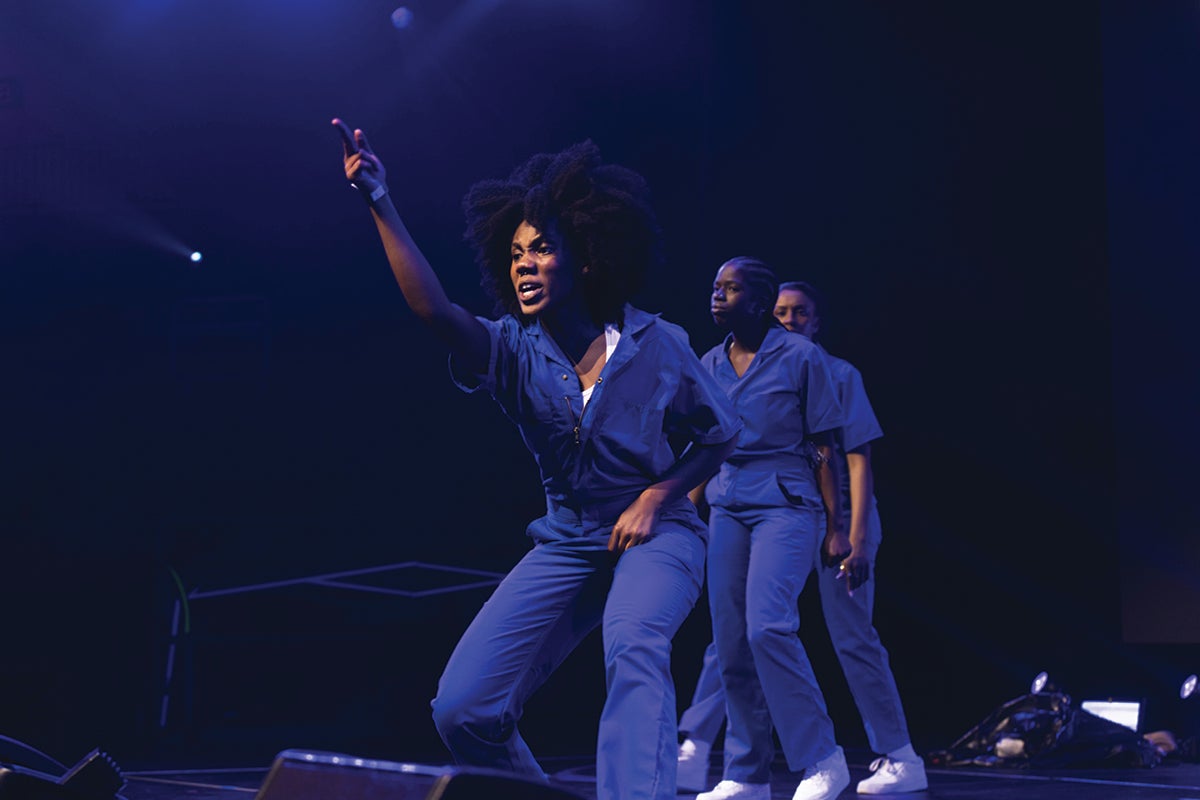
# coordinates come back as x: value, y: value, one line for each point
x: 612, y: 335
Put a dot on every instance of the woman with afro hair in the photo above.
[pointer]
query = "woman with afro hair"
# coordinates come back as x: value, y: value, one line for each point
x: 767, y: 505
x: 596, y: 387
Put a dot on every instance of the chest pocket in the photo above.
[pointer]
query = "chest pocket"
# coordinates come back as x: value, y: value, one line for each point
x: 636, y: 411
x: 547, y: 408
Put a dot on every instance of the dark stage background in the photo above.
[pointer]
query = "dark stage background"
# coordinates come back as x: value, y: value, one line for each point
x: 991, y: 195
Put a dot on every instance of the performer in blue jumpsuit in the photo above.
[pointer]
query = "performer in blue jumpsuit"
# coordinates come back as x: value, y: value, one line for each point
x: 765, y: 529
x: 847, y: 591
x: 595, y: 387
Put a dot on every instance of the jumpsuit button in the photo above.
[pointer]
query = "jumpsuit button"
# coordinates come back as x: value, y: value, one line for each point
x: 599, y: 380
x: 564, y: 377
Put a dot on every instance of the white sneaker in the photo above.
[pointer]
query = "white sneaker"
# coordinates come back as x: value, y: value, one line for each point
x: 894, y: 776
x: 825, y: 779
x: 692, y: 771
x: 732, y: 790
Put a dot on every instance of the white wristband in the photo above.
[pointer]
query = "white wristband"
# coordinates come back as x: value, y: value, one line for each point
x: 376, y: 193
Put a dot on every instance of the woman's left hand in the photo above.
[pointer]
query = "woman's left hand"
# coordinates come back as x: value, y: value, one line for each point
x: 636, y: 523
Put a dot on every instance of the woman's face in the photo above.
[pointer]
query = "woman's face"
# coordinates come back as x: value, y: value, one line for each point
x: 542, y: 273
x: 797, y: 312
x: 730, y: 302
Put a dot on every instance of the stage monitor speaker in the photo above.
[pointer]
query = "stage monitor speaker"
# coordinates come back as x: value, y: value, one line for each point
x: 305, y: 775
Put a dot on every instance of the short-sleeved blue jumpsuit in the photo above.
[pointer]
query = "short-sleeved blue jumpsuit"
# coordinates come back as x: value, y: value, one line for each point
x: 848, y: 617
x: 862, y: 655
x: 764, y: 532
x: 594, y: 462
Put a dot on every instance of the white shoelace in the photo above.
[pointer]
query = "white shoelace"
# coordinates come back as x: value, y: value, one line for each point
x: 884, y: 763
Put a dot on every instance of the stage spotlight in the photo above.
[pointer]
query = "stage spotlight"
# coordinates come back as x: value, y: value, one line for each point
x: 1039, y: 683
x: 402, y: 17
x: 196, y: 257
x: 1188, y: 688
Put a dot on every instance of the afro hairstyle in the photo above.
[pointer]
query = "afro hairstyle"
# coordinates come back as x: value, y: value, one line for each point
x: 601, y: 211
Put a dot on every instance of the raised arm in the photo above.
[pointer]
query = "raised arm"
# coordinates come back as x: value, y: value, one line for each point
x: 462, y: 333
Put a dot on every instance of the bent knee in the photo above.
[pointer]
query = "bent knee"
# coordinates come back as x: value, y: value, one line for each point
x: 454, y: 712
x: 448, y: 715
x: 633, y: 644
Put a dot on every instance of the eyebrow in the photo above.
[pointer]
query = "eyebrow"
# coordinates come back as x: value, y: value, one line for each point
x: 537, y: 240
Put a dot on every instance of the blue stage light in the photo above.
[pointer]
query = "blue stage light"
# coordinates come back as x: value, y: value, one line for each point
x: 196, y: 257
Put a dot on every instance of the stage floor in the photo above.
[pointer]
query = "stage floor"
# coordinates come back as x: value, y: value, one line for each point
x: 1169, y: 782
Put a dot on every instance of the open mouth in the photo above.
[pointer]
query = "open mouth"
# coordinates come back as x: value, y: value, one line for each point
x: 529, y: 291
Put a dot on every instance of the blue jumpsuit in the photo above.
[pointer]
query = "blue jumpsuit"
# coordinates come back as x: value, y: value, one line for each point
x: 594, y: 462
x: 703, y: 719
x: 764, y: 532
x: 862, y: 656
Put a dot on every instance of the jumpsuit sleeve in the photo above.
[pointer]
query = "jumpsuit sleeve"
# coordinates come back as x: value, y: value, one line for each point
x: 860, y: 425
x: 822, y: 412
x: 701, y: 411
x: 491, y: 380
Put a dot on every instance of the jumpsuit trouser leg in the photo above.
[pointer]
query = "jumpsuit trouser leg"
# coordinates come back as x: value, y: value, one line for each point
x: 540, y: 612
x: 862, y: 655
x: 655, y: 586
x: 555, y: 596
x: 759, y: 560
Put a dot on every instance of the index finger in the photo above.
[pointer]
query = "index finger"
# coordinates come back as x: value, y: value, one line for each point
x: 348, y: 144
